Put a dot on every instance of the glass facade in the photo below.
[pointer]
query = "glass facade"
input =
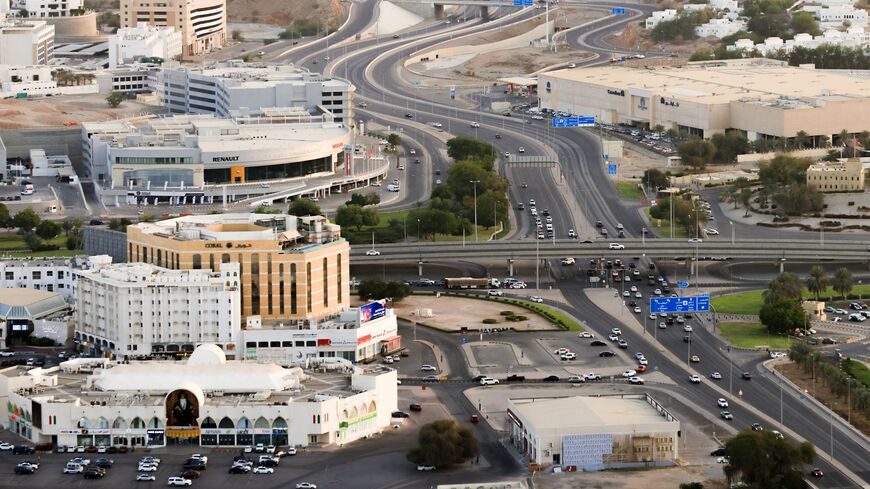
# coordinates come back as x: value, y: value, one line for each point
x: 271, y: 172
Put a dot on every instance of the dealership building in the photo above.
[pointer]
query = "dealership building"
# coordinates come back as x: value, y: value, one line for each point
x: 593, y: 433
x: 204, y: 400
x: 158, y: 159
x: 759, y: 97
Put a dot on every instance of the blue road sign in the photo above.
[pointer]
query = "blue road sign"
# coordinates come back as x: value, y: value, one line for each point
x: 573, y: 121
x: 464, y: 340
x: 617, y: 11
x: 528, y: 3
x: 695, y: 303
x: 518, y: 3
x: 611, y: 169
x: 683, y: 285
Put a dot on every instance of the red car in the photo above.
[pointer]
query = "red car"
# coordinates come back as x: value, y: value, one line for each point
x: 190, y: 474
x: 475, y: 418
x: 416, y: 407
x: 817, y: 472
x: 640, y: 368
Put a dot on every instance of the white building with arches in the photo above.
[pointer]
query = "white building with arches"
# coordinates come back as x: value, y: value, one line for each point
x: 205, y: 400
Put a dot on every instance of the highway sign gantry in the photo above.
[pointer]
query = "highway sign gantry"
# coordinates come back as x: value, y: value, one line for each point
x: 694, y: 303
x: 573, y: 121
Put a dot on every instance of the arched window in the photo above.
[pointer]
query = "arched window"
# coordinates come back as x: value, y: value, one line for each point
x: 102, y: 424
x: 119, y: 424
x: 155, y: 423
x: 244, y: 423
x: 279, y: 423
x: 373, y: 408
x: 262, y: 423
x: 226, y: 423
x: 363, y: 409
x: 84, y: 423
x: 137, y: 424
x: 208, y: 422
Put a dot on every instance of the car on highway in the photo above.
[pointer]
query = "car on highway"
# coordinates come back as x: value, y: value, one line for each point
x: 716, y: 376
x: 615, y: 331
x: 428, y: 368
x: 574, y: 379
x: 613, y: 337
x: 488, y: 381
x: 373, y: 253
x: 623, y: 344
x: 425, y: 468
x: 696, y: 240
x: 567, y: 261
x: 305, y: 485
x: 606, y: 354
x: 572, y: 233
x: 409, y: 116
x: 726, y: 415
x: 430, y: 378
x: 663, y: 325
x: 635, y: 380
x: 507, y: 154
x: 711, y: 231
x: 591, y: 376
x: 687, y: 328
x: 638, y: 310
x: 757, y: 427
x: 746, y: 376
x: 643, y: 361
x: 696, y: 359
x: 616, y: 246
x: 585, y: 334
x: 722, y: 403
x: 817, y: 472
x: 475, y: 124
x: 521, y: 149
x: 495, y: 293
x: 537, y: 299
x: 694, y: 379
x: 629, y: 373
x: 597, y: 343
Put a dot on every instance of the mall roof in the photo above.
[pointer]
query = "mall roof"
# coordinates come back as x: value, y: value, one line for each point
x: 723, y: 81
x: 29, y: 304
x: 570, y: 415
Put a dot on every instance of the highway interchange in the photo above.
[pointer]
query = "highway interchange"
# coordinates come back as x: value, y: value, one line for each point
x: 372, y: 66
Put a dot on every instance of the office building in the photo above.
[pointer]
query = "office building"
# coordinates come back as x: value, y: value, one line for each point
x: 37, y: 9
x: 131, y: 44
x: 761, y: 98
x: 26, y: 42
x: 202, y: 23
x: 221, y: 88
x: 292, y: 269
x: 593, y: 433
x: 843, y: 176
x: 132, y: 309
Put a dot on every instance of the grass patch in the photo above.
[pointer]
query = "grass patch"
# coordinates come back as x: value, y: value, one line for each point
x: 858, y: 370
x: 742, y: 303
x: 558, y: 317
x: 13, y: 244
x: 663, y: 226
x: 52, y: 253
x: 752, y: 335
x: 628, y: 190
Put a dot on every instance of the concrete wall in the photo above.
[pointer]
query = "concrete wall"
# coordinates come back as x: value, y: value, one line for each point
x: 54, y: 140
x: 804, y: 153
x: 78, y: 26
x: 104, y: 241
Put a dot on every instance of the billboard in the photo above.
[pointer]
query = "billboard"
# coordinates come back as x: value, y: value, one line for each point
x: 182, y: 409
x: 372, y: 310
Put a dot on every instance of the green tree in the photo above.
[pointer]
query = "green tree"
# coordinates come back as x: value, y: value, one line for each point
x: 25, y: 220
x: 5, y: 218
x: 770, y: 25
x: 762, y: 460
x: 376, y: 289
x: 681, y: 28
x: 349, y: 215
x: 728, y: 146
x: 805, y: 22
x: 798, y: 199
x: 696, y: 153
x: 443, y: 443
x: 114, y: 99
x: 434, y: 221
x: 817, y: 281
x: 237, y: 35
x: 396, y: 290
x: 465, y: 148
x: 119, y: 224
x: 801, y: 140
x: 784, y: 286
x: 782, y: 315
x: 303, y: 207
x: 691, y: 485
x: 842, y: 282
x: 783, y: 170
x: 47, y: 230
x: 655, y: 179
x: 362, y: 200
x: 394, y: 141
x: 491, y: 208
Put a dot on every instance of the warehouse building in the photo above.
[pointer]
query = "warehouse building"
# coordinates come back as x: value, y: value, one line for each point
x: 761, y: 98
x: 593, y: 433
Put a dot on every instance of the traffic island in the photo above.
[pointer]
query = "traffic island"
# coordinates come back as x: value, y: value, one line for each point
x: 452, y: 313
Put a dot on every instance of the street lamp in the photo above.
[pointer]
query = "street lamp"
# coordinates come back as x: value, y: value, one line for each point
x: 418, y: 230
x: 475, y: 182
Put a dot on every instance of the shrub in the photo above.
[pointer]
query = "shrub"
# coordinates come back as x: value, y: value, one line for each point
x: 507, y: 313
x: 489, y: 321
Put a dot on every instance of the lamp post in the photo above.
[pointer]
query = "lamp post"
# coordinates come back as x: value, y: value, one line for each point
x: 475, y: 182
x: 418, y: 230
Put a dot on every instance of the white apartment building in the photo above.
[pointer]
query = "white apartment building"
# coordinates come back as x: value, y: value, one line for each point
x: 143, y: 41
x: 48, y: 274
x: 50, y: 8
x: 660, y: 16
x: 31, y: 79
x: 353, y: 335
x: 719, y: 28
x: 852, y: 37
x: 26, y: 42
x: 139, y: 309
x: 202, y: 23
x: 132, y: 79
x: 836, y: 16
x: 223, y: 87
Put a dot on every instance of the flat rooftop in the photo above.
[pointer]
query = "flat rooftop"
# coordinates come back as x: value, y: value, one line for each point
x: 722, y: 82
x: 584, y: 413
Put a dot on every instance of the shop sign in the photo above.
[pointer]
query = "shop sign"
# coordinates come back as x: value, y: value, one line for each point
x: 155, y: 432
x: 210, y: 431
x: 101, y: 432
x: 70, y: 432
x: 262, y: 431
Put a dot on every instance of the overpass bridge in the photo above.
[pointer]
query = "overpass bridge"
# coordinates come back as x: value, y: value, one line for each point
x: 743, y: 249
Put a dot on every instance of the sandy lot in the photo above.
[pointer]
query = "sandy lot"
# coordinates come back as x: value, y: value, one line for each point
x: 55, y: 111
x: 284, y: 13
x: 451, y: 313
x: 666, y: 478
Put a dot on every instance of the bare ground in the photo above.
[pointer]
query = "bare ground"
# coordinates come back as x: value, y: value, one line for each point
x: 56, y: 111
x: 284, y: 13
x: 664, y: 478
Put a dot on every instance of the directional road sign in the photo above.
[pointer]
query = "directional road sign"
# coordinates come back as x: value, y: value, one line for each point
x: 617, y: 11
x: 695, y: 303
x: 464, y: 340
x: 573, y: 121
x: 611, y: 169
x: 683, y: 285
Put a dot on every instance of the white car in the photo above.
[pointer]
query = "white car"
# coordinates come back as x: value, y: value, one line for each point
x: 696, y: 240
x: 147, y: 468
x: 519, y: 285
x: 425, y: 467
x: 373, y: 253
x: 568, y: 261
x: 722, y: 403
x: 637, y: 310
x: 521, y: 149
x: 629, y: 373
x: 488, y: 381
x: 726, y: 415
x: 179, y: 481
x: 507, y: 154
x: 76, y: 469
x: 6, y: 446
x: 575, y: 380
x: 537, y: 299
x: 248, y: 449
x: 616, y: 331
x: 687, y: 328
x: 591, y: 376
x: 428, y: 368
x: 475, y: 124
x: 616, y: 246
x: 716, y: 376
x: 634, y: 288
x: 642, y: 361
x: 652, y: 316
x: 305, y: 485
x: 263, y: 470
x: 585, y: 334
x: 200, y: 457
x: 635, y: 380
x: 694, y: 379
x: 613, y: 337
x: 495, y: 293
x: 711, y: 231
x: 141, y: 477
x: 638, y: 295
x: 568, y: 356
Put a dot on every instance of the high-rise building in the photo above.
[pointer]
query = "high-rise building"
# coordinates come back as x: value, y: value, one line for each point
x: 26, y: 42
x: 203, y: 23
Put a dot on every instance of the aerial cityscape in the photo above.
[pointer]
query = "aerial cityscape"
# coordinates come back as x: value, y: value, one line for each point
x: 426, y: 244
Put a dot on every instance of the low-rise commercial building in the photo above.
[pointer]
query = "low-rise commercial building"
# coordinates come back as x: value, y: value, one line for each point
x: 593, y: 433
x: 177, y: 156
x: 132, y: 309
x: 26, y: 312
x: 49, y: 8
x: 206, y: 400
x: 291, y: 269
x: 221, y: 88
x: 759, y: 97
x: 130, y: 44
x: 202, y: 23
x: 844, y: 176
x: 46, y: 274
x: 26, y: 42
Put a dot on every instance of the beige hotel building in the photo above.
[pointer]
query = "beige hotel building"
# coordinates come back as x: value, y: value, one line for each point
x: 293, y: 269
x: 202, y: 23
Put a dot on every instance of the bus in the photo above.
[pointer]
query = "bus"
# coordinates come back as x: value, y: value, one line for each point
x: 26, y: 188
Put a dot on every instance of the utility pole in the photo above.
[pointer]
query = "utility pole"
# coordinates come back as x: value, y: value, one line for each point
x: 475, y: 182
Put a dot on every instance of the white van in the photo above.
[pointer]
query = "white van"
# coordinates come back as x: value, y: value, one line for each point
x: 392, y: 187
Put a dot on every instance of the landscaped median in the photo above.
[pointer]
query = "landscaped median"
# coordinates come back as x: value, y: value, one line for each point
x: 752, y: 335
x: 559, y: 318
x: 750, y: 302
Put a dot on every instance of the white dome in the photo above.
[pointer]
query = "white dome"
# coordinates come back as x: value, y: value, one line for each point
x: 207, y: 354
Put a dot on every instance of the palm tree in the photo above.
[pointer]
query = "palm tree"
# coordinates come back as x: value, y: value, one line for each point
x: 842, y: 282
x: 817, y: 282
